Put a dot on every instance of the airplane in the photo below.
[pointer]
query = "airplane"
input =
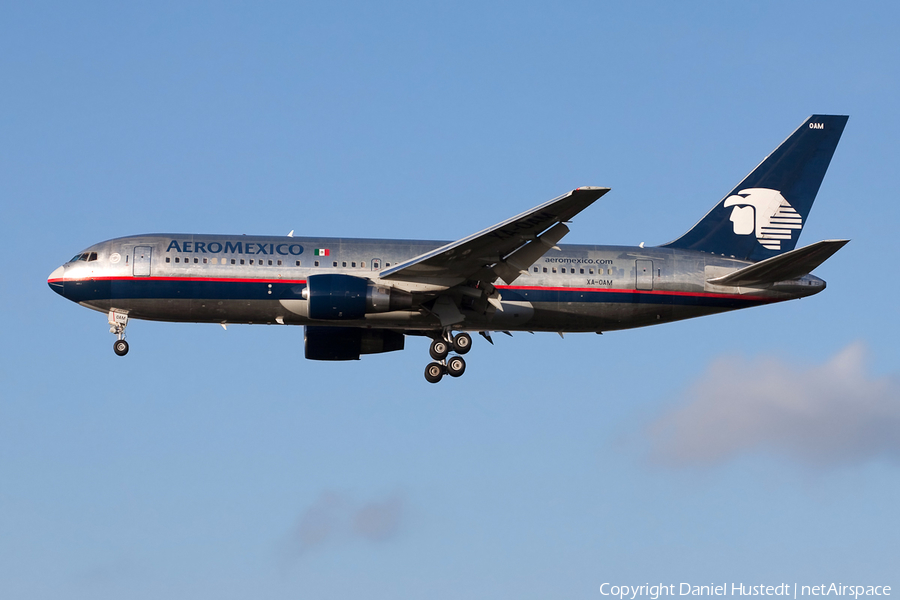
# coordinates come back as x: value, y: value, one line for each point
x: 363, y: 296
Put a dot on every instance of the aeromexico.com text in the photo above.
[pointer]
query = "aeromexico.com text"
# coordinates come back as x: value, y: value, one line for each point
x: 792, y: 590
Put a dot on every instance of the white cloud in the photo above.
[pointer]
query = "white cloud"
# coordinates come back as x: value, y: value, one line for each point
x: 334, y: 518
x: 826, y: 415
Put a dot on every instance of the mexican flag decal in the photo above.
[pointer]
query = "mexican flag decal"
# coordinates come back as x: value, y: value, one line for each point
x: 321, y: 252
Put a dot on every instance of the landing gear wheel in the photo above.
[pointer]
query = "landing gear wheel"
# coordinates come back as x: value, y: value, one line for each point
x: 456, y: 366
x: 434, y: 372
x: 439, y: 350
x: 462, y: 343
x: 120, y: 347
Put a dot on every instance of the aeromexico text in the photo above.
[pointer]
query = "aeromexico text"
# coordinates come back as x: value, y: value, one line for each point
x: 242, y: 247
x: 740, y: 589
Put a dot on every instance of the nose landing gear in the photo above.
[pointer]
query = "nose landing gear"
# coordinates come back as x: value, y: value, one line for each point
x: 440, y: 348
x: 117, y: 323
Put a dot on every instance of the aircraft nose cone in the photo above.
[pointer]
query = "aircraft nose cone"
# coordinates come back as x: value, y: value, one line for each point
x: 55, y: 281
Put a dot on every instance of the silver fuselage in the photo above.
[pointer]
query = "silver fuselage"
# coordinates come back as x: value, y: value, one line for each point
x: 259, y: 279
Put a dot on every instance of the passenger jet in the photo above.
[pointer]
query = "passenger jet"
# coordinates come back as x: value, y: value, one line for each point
x: 364, y: 296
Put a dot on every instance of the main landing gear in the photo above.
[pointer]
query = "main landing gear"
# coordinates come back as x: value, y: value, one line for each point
x: 440, y: 348
x: 117, y: 323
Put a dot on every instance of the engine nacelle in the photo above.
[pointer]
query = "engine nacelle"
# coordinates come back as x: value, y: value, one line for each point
x: 345, y: 297
x: 348, y: 343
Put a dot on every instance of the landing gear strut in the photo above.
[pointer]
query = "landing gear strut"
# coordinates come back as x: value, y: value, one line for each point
x: 440, y: 348
x: 117, y: 323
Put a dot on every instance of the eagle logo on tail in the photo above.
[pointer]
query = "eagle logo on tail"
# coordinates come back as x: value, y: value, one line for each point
x: 766, y: 213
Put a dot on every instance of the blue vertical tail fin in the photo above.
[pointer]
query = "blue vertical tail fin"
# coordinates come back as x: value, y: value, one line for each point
x: 764, y: 215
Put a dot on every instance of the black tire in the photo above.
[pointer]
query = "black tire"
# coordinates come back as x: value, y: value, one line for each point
x: 439, y: 349
x: 434, y: 372
x: 120, y: 347
x: 462, y: 343
x: 456, y: 366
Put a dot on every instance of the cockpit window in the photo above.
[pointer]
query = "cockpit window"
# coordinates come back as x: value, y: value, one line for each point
x: 83, y: 256
x: 93, y: 256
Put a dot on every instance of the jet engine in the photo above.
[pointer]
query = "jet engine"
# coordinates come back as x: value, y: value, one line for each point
x: 347, y: 343
x: 345, y: 297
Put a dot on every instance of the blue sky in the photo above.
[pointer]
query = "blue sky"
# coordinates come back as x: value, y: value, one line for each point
x: 759, y: 446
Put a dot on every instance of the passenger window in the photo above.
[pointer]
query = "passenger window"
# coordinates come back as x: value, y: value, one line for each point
x: 196, y: 260
x: 535, y: 269
x: 251, y: 261
x: 242, y: 261
x: 362, y: 264
x: 609, y: 271
x: 279, y: 263
x: 590, y: 271
x: 334, y: 264
x: 353, y: 264
x: 344, y: 264
x: 563, y: 270
x: 582, y: 271
x: 270, y: 263
x: 554, y: 269
x: 545, y: 269
x: 204, y: 261
x: 168, y: 259
x: 176, y: 260
x: 232, y: 261
x: 298, y: 263
x: 387, y: 264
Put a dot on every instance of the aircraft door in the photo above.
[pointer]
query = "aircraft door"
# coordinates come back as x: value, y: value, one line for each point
x: 643, y: 274
x: 376, y: 264
x: 141, y: 262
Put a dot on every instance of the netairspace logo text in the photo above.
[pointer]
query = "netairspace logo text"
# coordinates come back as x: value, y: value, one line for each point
x: 654, y: 592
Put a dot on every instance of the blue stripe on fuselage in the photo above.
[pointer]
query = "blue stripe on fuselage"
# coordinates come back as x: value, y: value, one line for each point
x: 539, y: 295
x: 267, y: 289
x: 154, y: 288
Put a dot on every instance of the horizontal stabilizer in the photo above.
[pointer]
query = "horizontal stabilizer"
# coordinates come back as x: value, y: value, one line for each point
x: 783, y: 267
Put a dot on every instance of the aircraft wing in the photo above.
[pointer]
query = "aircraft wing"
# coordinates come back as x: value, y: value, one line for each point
x: 504, y: 250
